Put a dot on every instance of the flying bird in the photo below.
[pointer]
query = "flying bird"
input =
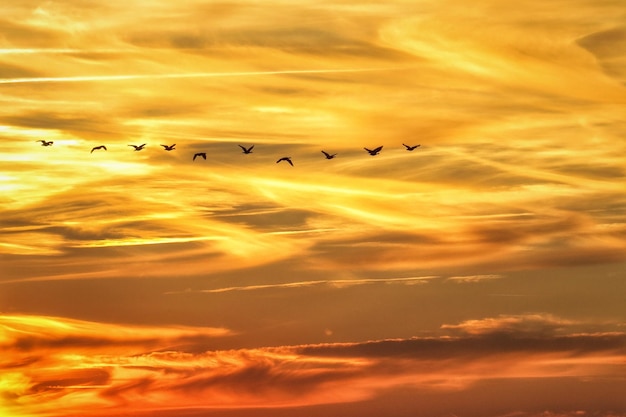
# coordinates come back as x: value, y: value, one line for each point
x: 45, y: 143
x: 410, y: 148
x: 201, y: 154
x: 285, y: 158
x: 138, y: 147
x: 169, y: 148
x: 374, y: 152
x: 328, y: 155
x: 98, y: 147
x: 246, y: 150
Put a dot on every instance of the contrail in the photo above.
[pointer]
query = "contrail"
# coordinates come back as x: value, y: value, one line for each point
x: 335, y: 282
x: 91, y: 78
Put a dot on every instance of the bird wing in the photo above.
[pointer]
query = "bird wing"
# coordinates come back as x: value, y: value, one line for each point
x: 326, y: 153
x: 378, y: 149
x: 289, y: 160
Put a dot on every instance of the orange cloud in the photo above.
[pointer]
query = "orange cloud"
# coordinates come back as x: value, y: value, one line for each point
x: 60, y: 367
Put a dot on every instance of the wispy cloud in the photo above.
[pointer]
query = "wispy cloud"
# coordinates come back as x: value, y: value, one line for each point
x: 337, y: 283
x: 131, y: 77
x: 473, y: 278
x: 516, y: 190
x: 512, y: 324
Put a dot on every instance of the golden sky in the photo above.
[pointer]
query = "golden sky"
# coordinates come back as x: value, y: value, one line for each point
x: 480, y: 274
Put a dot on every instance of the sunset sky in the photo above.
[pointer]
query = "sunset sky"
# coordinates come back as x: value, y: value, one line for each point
x: 482, y: 274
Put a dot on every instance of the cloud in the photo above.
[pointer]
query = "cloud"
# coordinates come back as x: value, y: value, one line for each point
x: 26, y: 334
x: 130, y: 367
x: 519, y: 324
x: 337, y: 283
x: 519, y: 113
x: 131, y: 77
x: 473, y: 278
x: 607, y: 46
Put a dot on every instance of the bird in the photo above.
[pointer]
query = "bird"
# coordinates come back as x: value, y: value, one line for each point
x: 45, y: 143
x: 201, y: 154
x: 169, y: 148
x: 138, y: 147
x: 374, y: 152
x: 285, y: 158
x: 98, y: 147
x: 410, y: 148
x: 246, y: 150
x: 328, y: 155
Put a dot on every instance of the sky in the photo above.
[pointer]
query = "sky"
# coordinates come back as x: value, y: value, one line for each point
x: 482, y: 274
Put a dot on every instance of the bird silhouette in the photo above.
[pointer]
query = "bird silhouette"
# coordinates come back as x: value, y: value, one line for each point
x: 410, y: 148
x: 246, y: 150
x: 169, y: 148
x: 201, y: 154
x: 98, y: 147
x: 45, y: 143
x: 328, y: 155
x: 374, y: 152
x: 285, y: 158
x: 138, y: 147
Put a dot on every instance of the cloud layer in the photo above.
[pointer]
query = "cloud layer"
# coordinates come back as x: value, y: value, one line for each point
x: 150, y: 283
x: 65, y: 365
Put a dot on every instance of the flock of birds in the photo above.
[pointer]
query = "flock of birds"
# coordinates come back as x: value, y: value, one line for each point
x: 248, y: 150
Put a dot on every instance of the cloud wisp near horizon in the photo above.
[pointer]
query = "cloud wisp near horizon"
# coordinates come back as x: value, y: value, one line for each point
x: 490, y: 260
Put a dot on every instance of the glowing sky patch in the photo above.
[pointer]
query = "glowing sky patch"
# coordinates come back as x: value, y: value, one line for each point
x: 479, y: 274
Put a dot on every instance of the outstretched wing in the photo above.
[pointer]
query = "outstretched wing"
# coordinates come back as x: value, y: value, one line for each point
x: 285, y: 158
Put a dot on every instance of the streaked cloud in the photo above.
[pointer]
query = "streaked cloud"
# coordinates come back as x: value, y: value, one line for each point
x: 338, y: 283
x: 473, y: 278
x: 291, y: 376
x: 515, y: 325
x: 150, y: 284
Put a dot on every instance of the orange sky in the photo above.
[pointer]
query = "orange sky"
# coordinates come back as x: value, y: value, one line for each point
x: 481, y: 274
